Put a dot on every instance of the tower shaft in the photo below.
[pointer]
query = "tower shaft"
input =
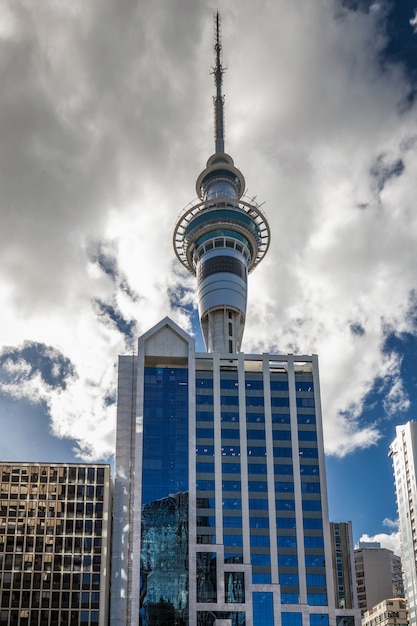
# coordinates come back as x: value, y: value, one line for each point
x: 221, y: 237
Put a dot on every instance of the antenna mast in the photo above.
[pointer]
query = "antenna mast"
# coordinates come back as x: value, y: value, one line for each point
x: 218, y: 99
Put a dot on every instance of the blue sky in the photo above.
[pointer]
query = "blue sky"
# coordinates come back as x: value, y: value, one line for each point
x: 106, y: 122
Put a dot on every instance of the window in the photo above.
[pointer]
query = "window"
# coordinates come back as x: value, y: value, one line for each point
x: 234, y: 587
x: 263, y: 610
x: 291, y: 619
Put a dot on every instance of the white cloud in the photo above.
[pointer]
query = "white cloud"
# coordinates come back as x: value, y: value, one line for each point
x: 390, y: 541
x: 107, y: 121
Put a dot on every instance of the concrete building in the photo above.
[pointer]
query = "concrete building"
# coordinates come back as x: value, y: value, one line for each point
x: 378, y: 575
x: 220, y: 503
x: 403, y: 452
x: 391, y: 612
x: 54, y: 544
x: 343, y: 564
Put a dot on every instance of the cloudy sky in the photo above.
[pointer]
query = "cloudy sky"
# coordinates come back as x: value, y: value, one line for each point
x: 105, y: 124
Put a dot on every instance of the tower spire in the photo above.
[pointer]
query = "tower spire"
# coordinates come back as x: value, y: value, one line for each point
x: 218, y: 71
x: 221, y: 237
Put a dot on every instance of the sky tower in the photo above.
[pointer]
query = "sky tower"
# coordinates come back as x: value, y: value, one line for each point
x: 221, y: 236
x: 220, y: 513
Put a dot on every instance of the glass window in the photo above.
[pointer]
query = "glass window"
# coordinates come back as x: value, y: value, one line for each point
x: 206, y: 577
x: 307, y: 435
x: 256, y: 434
x: 230, y: 468
x: 203, y: 450
x: 309, y: 453
x: 311, y: 505
x: 284, y: 452
x: 287, y: 541
x: 205, y: 468
x: 234, y: 587
x: 285, y: 505
x: 205, y: 485
x: 232, y: 540
x: 309, y: 470
x: 260, y: 559
x: 231, y: 485
x: 232, y: 521
x: 317, y: 599
x: 227, y: 416
x: 204, y: 416
x: 284, y: 486
x: 319, y: 619
x: 256, y: 450
x: 232, y: 503
x: 287, y: 560
x: 310, y: 487
x: 263, y: 609
x: 259, y: 578
x: 313, y: 542
x: 283, y: 469
x: 255, y: 418
x: 281, y: 435
x: 230, y: 433
x: 257, y: 485
x: 305, y: 402
x: 230, y: 450
x: 314, y: 560
x: 313, y: 522
x: 289, y: 598
x: 257, y: 468
x: 205, y: 433
x: 288, y: 579
x: 279, y: 385
x: 316, y: 580
x: 291, y: 619
x: 258, y: 505
x: 258, y: 522
x: 306, y: 418
x: 280, y: 401
x: 280, y: 418
x: 285, y: 522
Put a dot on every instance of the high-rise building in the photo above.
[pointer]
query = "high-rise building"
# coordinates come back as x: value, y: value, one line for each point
x: 378, y: 574
x: 343, y: 565
x: 220, y: 502
x: 390, y: 612
x: 54, y: 544
x: 403, y: 452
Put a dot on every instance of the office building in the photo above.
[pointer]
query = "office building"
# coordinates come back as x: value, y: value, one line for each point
x: 220, y: 502
x: 403, y: 453
x: 378, y: 575
x: 54, y: 544
x: 343, y: 565
x: 391, y: 612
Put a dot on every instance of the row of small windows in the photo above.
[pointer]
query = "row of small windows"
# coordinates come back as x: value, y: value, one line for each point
x: 257, y: 468
x: 51, y: 492
x: 30, y: 561
x: 255, y: 384
x: 52, y: 474
x: 56, y: 509
x: 52, y: 618
x: 254, y: 451
x: 309, y: 523
x: 252, y: 400
x: 18, y: 543
x: 51, y: 599
x: 277, y: 434
x: 41, y: 526
x: 259, y: 418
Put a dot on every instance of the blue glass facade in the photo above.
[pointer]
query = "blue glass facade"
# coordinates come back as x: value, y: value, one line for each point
x: 164, y: 520
x: 233, y: 497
